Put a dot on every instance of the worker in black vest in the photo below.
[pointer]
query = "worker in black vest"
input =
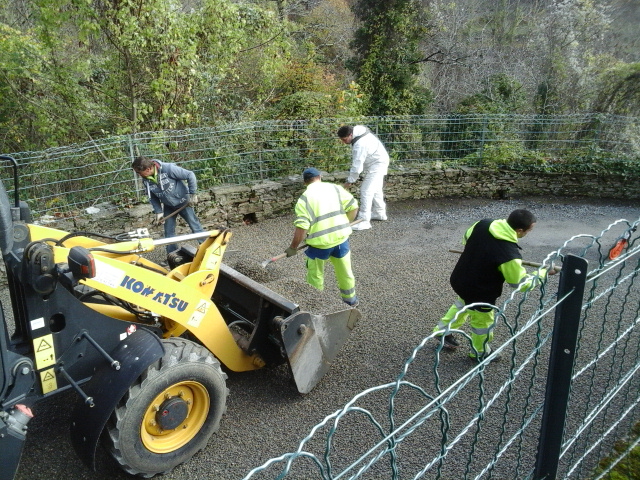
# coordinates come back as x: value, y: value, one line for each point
x: 490, y: 258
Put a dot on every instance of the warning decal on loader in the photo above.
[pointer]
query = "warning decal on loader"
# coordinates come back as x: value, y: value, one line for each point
x: 214, y: 259
x: 198, y: 314
x: 45, y: 351
x: 107, y: 274
x: 48, y: 381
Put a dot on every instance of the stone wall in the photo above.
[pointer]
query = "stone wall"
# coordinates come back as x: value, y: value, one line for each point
x: 230, y: 205
x: 269, y: 199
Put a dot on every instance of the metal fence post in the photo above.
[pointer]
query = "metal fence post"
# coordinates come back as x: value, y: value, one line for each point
x: 563, y: 346
x: 482, y: 139
x: 132, y: 156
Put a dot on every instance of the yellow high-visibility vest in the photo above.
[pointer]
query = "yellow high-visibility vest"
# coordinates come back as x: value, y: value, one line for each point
x: 322, y: 211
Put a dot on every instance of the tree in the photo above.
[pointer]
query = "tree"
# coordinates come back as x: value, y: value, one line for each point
x: 619, y: 91
x: 21, y: 109
x: 473, y: 40
x: 111, y: 67
x: 570, y: 36
x: 41, y: 99
x: 501, y: 94
x: 386, y: 60
x: 329, y: 27
x: 618, y: 94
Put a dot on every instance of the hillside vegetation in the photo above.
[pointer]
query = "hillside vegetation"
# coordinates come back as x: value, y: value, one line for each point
x: 74, y: 71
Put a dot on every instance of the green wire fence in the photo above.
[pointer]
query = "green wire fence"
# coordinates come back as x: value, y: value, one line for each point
x: 66, y: 180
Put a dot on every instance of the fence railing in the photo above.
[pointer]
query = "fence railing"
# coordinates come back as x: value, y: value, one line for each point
x: 66, y: 180
x: 483, y: 425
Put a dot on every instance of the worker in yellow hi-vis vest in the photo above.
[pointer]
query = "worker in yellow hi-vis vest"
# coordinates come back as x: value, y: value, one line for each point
x: 323, y: 213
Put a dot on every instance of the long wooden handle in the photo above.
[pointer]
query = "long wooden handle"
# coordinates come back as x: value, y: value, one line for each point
x: 300, y: 247
x: 175, y: 212
x: 281, y: 256
x: 524, y: 262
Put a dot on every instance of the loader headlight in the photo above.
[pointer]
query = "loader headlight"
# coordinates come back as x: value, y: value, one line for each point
x: 81, y: 263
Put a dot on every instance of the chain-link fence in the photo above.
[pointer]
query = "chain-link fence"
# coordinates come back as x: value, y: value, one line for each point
x: 573, y: 388
x: 68, y: 179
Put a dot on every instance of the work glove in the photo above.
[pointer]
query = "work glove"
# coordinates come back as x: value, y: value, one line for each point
x: 158, y: 219
x: 291, y: 251
x: 193, y: 200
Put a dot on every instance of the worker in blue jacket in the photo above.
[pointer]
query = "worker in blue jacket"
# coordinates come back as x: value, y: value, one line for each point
x: 170, y: 188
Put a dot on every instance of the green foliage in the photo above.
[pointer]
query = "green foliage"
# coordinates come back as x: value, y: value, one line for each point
x: 302, y: 104
x: 254, y: 50
x: 99, y: 68
x: 464, y: 134
x: 629, y: 467
x: 597, y: 160
x: 349, y: 102
x: 513, y: 155
x: 619, y: 90
x: 19, y: 73
x: 309, y: 93
x: 570, y: 34
x: 151, y: 63
x: 329, y: 28
x: 508, y: 155
x: 298, y: 76
x: 386, y: 56
x: 500, y: 94
x: 42, y: 101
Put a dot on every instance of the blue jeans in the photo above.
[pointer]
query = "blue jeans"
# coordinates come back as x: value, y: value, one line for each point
x: 170, y: 223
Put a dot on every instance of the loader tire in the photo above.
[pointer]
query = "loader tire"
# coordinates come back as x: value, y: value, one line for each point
x: 170, y: 412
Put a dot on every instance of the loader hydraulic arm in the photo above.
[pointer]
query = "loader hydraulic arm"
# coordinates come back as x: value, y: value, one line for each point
x: 182, y: 298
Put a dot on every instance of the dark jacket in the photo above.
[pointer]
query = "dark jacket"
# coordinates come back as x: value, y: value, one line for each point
x: 491, y: 256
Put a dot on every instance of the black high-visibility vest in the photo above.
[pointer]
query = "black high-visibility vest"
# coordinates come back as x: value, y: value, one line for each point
x: 476, y: 277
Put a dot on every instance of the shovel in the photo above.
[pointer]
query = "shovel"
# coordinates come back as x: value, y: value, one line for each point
x: 175, y: 212
x: 304, y: 245
x: 524, y: 262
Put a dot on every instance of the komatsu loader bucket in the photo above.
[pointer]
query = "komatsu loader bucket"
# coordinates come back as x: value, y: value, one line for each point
x: 313, y: 341
x: 277, y: 329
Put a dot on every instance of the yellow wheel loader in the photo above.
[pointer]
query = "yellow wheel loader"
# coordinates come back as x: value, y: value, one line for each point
x: 144, y: 347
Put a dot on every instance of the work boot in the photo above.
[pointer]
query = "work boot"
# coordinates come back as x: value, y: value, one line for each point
x: 449, y: 342
x: 481, y: 356
x: 353, y: 303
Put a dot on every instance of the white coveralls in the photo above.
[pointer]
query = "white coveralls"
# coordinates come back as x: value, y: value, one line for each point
x: 371, y: 158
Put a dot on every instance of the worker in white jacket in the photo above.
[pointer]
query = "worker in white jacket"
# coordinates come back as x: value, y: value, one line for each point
x: 370, y: 158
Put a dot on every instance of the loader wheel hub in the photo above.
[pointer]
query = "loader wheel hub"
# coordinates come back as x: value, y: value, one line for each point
x: 172, y: 413
x: 174, y: 417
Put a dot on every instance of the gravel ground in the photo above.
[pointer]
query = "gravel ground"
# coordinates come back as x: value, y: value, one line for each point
x: 402, y: 268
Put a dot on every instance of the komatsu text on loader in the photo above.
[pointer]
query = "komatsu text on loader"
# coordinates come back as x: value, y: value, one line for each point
x: 143, y: 346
